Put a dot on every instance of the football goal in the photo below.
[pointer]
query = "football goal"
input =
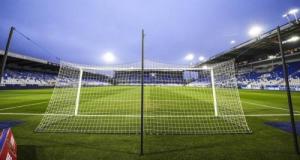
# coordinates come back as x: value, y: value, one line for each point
x: 176, y: 100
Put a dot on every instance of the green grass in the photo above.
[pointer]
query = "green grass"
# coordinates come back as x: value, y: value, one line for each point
x: 264, y: 143
x: 168, y: 110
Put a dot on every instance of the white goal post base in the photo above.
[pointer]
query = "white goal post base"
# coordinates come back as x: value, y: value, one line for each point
x: 177, y: 100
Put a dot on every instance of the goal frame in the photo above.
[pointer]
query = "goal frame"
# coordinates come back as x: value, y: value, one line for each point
x: 82, y: 68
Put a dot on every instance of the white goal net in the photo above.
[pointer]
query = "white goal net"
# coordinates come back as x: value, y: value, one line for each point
x: 177, y: 100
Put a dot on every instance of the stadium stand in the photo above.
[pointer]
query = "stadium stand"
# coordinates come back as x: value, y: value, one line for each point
x: 259, y: 74
x: 150, y: 77
x: 28, y: 72
x: 259, y: 63
x: 271, y: 80
x: 28, y: 78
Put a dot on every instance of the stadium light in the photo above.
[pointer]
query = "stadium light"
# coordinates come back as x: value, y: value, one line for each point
x: 201, y: 58
x: 232, y: 42
x: 287, y: 17
x: 255, y: 31
x: 292, y: 39
x: 108, y: 57
x: 292, y: 12
x: 189, y: 57
x: 271, y: 57
x: 204, y: 67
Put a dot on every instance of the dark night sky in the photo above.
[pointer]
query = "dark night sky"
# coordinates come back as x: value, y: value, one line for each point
x: 81, y: 31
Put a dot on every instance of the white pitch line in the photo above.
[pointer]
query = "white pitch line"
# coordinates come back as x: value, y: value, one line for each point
x: 34, y: 114
x: 161, y: 116
x: 21, y: 106
x: 175, y: 100
x: 187, y: 116
x: 269, y: 115
x: 263, y: 105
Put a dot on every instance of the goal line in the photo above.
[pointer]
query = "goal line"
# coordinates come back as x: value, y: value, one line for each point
x: 138, y: 116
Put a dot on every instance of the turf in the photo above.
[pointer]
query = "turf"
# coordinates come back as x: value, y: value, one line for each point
x: 265, y: 142
x: 167, y: 110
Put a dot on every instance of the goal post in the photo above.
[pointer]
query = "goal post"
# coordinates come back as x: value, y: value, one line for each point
x: 78, y: 92
x: 177, y: 100
x: 214, y: 91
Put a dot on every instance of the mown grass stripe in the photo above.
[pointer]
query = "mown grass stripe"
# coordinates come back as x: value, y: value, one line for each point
x: 22, y: 106
x: 266, y: 106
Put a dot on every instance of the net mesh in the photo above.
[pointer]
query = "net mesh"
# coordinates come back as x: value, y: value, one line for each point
x: 177, y: 100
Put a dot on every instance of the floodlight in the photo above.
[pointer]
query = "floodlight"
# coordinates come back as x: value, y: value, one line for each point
x: 201, y: 58
x: 271, y: 57
x: 232, y: 42
x: 293, y: 11
x: 189, y: 57
x: 292, y: 39
x: 108, y: 57
x: 255, y: 31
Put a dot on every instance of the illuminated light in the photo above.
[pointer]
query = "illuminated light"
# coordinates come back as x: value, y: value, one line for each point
x: 285, y: 15
x: 232, y: 42
x: 201, y: 58
x: 204, y: 67
x: 108, y: 57
x: 293, y: 11
x: 255, y: 31
x: 189, y: 57
x: 271, y: 57
x: 292, y: 39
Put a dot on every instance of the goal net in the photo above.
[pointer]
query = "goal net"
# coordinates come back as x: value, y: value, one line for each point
x: 177, y: 100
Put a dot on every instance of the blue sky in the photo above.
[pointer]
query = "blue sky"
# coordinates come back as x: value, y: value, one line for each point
x: 81, y: 31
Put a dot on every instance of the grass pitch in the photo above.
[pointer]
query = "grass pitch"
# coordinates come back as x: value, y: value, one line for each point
x: 259, y: 106
x: 169, y: 110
